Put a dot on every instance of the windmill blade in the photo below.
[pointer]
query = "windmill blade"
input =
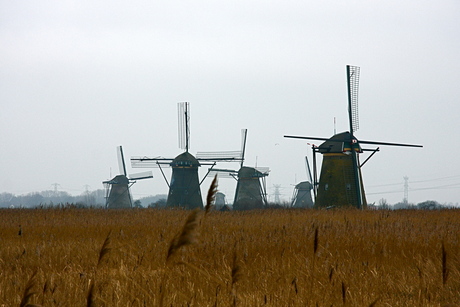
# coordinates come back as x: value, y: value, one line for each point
x: 244, y: 134
x: 353, y: 86
x: 223, y: 173
x: 121, y: 161
x: 347, y: 140
x: 141, y: 175
x: 148, y: 162
x: 308, y: 170
x: 219, y: 155
x: 388, y: 144
x: 183, y: 125
x: 307, y: 138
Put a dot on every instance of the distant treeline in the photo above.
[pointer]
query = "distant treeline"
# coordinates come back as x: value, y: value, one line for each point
x: 51, y: 198
x: 97, y: 199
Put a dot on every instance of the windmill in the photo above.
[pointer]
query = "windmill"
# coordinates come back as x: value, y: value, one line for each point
x: 117, y: 189
x: 251, y: 187
x: 302, y: 191
x: 184, y: 187
x: 341, y: 182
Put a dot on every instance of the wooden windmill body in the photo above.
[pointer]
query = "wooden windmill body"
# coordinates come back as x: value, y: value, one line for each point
x: 184, y: 188
x: 341, y: 182
x: 302, y: 191
x: 337, y: 185
x: 250, y: 192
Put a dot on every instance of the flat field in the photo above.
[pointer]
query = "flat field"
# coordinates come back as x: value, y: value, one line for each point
x: 148, y: 257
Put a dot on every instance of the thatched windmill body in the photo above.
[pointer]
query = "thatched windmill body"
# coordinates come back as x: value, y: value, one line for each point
x: 341, y: 182
x: 184, y: 186
x: 251, y: 187
x: 118, y: 195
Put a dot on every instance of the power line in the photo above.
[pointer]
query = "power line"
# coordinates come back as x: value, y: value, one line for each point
x: 447, y: 186
x: 417, y: 181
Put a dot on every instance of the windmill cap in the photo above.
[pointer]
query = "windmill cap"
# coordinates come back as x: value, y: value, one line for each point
x: 339, y: 143
x: 119, y: 179
x: 304, y: 185
x: 249, y: 172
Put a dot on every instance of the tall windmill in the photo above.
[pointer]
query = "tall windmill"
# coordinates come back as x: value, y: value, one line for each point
x: 117, y: 189
x: 251, y: 187
x: 302, y: 191
x: 341, y: 182
x: 184, y: 187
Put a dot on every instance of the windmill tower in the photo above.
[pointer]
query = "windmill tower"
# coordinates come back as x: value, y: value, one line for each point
x: 302, y: 191
x: 251, y: 187
x: 341, y: 182
x: 117, y: 189
x: 184, y: 186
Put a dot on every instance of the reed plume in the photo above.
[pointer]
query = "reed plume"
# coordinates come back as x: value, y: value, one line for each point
x: 445, y: 270
x: 211, y: 197
x: 344, y: 293
x: 315, y: 241
x: 105, y: 249
x: 236, y: 270
x: 236, y: 274
x: 186, y: 237
x: 28, y: 291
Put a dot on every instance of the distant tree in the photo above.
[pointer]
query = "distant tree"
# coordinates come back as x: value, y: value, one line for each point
x: 137, y: 204
x: 384, y: 205
x: 32, y: 200
x: 161, y: 203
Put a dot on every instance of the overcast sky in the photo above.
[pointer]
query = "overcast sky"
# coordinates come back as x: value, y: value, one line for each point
x: 78, y: 78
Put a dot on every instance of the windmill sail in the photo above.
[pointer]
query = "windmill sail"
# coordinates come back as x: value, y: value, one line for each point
x: 184, y: 125
x: 121, y: 161
x: 353, y: 87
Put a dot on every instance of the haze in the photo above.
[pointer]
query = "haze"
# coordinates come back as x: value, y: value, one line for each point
x: 79, y: 78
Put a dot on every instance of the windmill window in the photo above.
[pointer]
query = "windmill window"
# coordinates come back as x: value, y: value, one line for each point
x: 326, y: 187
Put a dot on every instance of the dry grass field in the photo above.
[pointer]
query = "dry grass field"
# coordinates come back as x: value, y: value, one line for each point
x: 148, y: 257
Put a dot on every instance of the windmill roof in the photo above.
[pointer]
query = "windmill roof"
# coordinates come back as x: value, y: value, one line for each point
x: 185, y: 159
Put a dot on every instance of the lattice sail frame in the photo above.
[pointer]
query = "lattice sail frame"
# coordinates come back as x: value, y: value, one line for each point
x: 353, y: 89
x: 183, y: 117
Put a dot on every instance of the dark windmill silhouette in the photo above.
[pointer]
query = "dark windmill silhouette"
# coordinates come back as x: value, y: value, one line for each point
x: 302, y: 191
x: 341, y: 182
x: 184, y: 187
x: 251, y: 187
x: 117, y: 189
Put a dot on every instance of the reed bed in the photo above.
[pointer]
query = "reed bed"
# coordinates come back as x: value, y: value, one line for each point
x: 95, y: 257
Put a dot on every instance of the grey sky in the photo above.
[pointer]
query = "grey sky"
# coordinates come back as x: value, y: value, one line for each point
x: 79, y: 78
